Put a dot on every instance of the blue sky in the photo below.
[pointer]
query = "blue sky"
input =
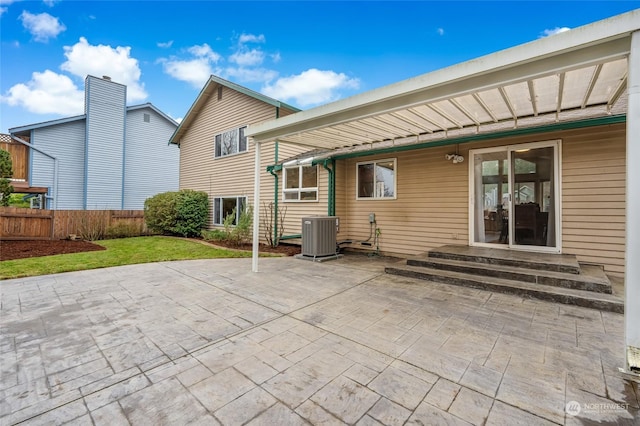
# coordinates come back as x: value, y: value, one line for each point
x: 301, y: 52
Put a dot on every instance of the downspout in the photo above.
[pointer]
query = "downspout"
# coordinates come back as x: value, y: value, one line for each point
x: 331, y: 208
x: 54, y: 198
x: 276, y: 186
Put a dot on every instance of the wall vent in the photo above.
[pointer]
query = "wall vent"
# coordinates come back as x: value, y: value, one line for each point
x: 146, y: 118
x: 319, y: 236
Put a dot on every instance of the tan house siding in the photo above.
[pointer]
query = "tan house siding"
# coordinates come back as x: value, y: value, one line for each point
x: 224, y: 176
x: 593, y: 196
x: 267, y: 185
x: 432, y: 208
x: 296, y: 210
x: 285, y: 111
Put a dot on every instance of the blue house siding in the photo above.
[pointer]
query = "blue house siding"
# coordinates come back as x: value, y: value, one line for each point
x: 66, y: 143
x: 105, y: 130
x: 113, y: 157
x: 151, y: 163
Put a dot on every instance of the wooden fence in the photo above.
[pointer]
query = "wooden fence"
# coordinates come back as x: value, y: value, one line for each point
x: 35, y: 224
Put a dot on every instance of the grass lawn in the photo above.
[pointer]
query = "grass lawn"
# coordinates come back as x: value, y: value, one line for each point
x: 123, y: 251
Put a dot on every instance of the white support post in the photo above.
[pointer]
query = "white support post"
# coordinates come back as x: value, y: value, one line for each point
x: 632, y: 252
x: 256, y: 210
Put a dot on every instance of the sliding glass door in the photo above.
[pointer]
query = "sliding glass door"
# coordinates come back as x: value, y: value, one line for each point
x: 514, y: 196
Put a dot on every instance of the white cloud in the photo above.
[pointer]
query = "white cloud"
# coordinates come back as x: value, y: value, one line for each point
x: 556, y: 30
x: 42, y: 26
x: 195, y: 70
x: 204, y: 51
x: 165, y: 45
x: 50, y: 3
x: 251, y: 38
x: 440, y: 31
x: 47, y: 93
x: 84, y: 59
x: 311, y: 87
x: 259, y: 75
x: 3, y: 4
x: 247, y: 58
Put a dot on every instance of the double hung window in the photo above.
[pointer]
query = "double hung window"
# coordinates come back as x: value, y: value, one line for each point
x: 230, y: 142
x: 301, y: 183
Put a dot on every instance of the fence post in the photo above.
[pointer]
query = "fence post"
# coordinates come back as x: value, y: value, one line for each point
x: 53, y: 224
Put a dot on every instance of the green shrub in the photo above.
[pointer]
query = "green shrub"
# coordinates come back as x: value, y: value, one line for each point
x: 180, y: 213
x: 215, y: 235
x: 192, y: 211
x: 160, y: 212
x: 123, y: 230
x: 233, y: 235
x: 242, y: 231
x: 6, y: 171
x: 17, y: 200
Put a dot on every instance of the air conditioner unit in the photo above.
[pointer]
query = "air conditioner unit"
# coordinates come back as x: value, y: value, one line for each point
x: 36, y: 202
x: 319, y: 236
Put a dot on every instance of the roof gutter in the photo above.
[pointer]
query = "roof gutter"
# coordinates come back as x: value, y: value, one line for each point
x: 615, y: 119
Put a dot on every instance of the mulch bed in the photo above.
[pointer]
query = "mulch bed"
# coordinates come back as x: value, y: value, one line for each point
x: 10, y: 250
x: 284, y: 249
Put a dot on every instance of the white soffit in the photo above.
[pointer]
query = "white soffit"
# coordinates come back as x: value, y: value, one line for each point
x: 575, y: 70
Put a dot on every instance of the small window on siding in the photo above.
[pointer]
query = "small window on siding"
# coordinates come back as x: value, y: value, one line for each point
x: 376, y: 179
x: 230, y: 142
x: 146, y: 118
x: 224, y: 206
x: 300, y: 183
x: 219, y: 92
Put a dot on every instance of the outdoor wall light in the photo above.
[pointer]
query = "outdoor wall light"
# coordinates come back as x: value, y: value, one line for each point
x: 454, y: 158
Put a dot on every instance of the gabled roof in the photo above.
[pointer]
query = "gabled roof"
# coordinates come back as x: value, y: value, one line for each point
x: 580, y: 74
x: 42, y: 124
x: 208, y: 90
x: 151, y: 106
x: 49, y: 123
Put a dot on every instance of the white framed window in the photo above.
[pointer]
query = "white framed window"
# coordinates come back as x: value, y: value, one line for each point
x: 230, y: 142
x: 300, y: 183
x: 223, y: 207
x: 376, y: 179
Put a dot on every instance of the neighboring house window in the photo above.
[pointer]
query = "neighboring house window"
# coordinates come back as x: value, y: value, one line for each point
x: 301, y: 183
x: 376, y: 179
x: 231, y: 142
x: 146, y: 118
x: 223, y: 206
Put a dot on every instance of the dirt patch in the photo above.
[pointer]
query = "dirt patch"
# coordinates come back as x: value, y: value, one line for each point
x: 10, y: 250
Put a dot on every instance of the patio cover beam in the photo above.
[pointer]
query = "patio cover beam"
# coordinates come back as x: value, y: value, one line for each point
x: 519, y: 64
x: 632, y: 254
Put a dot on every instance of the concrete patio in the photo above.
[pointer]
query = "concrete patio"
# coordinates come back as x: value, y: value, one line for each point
x: 208, y: 342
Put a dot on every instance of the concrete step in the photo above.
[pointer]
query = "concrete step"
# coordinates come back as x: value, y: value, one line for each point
x: 568, y: 296
x: 591, y: 277
x: 530, y: 260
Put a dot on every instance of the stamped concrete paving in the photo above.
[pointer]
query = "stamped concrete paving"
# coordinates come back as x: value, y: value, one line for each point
x: 208, y: 342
